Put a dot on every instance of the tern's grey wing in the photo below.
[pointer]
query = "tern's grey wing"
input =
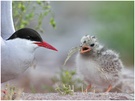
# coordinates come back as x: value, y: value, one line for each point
x: 2, y: 42
x: 7, y: 26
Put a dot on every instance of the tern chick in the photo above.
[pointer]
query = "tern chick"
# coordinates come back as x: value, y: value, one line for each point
x: 97, y: 65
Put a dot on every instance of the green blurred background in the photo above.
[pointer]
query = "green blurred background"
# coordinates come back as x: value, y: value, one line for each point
x: 117, y: 21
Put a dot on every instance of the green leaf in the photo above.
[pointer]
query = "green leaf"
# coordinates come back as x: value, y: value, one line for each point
x: 25, y: 11
x: 53, y: 23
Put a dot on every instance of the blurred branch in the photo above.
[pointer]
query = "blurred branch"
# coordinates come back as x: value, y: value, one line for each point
x: 25, y: 11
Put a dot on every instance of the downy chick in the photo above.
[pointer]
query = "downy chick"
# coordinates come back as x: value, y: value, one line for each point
x: 98, y: 66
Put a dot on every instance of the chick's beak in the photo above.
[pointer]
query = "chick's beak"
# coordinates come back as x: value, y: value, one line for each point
x: 46, y: 45
x: 85, y: 49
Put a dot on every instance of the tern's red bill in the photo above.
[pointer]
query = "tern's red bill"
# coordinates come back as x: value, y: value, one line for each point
x: 46, y: 45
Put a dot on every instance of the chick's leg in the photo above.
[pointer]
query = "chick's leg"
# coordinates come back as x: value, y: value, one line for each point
x: 109, y: 88
x: 88, y: 87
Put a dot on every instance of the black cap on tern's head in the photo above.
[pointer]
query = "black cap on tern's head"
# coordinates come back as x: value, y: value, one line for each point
x: 26, y: 33
x: 30, y: 34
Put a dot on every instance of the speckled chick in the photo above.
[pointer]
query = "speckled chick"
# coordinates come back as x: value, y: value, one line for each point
x: 98, y: 66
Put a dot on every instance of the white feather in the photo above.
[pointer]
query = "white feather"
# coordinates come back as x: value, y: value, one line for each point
x: 7, y: 26
x: 17, y: 55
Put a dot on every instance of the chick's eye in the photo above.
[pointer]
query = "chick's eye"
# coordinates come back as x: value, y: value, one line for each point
x: 84, y: 42
x: 92, y: 45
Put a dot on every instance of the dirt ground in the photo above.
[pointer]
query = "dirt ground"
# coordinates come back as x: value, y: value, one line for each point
x: 78, y: 96
x: 126, y: 93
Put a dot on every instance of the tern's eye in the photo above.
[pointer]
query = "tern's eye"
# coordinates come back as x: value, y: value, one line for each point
x: 28, y: 37
x: 92, y: 45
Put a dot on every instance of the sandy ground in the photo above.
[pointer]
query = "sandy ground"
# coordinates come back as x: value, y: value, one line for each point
x: 126, y: 92
x: 78, y: 96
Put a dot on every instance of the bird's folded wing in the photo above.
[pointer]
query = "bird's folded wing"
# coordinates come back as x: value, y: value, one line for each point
x: 2, y: 42
x: 7, y: 26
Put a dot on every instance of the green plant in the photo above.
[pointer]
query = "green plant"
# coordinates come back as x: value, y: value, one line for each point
x: 67, y: 77
x: 25, y: 11
x: 11, y: 93
x: 70, y: 53
x: 65, y: 89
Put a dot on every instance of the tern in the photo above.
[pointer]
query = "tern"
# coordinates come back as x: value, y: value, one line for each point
x: 97, y: 65
x: 17, y: 52
x: 17, y: 47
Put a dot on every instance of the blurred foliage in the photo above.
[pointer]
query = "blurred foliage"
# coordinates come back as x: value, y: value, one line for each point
x: 47, y: 88
x: 25, y: 11
x: 70, y: 53
x: 65, y: 89
x: 65, y: 82
x: 33, y: 89
x: 67, y: 77
x: 117, y: 30
x: 11, y: 93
